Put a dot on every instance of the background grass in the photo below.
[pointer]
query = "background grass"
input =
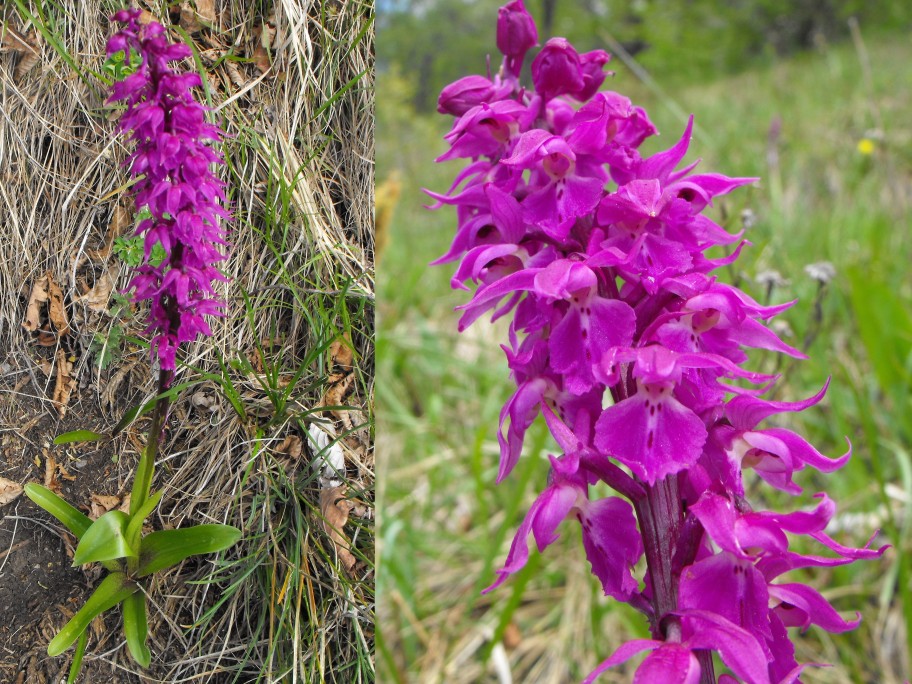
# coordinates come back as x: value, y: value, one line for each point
x: 824, y: 196
x: 292, y: 84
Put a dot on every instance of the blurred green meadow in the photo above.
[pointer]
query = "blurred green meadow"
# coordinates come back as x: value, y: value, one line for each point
x: 828, y: 129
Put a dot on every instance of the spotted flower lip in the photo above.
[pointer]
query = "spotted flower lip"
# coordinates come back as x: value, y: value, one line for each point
x: 625, y: 339
x: 171, y: 162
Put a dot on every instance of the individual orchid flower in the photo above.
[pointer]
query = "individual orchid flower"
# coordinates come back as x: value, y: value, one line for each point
x: 564, y: 185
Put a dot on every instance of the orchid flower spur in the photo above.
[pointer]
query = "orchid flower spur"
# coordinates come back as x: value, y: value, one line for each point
x: 632, y: 349
x: 173, y: 182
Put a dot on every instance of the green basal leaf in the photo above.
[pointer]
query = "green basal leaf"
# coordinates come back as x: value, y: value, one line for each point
x: 105, y: 540
x: 113, y: 589
x: 163, y: 549
x: 77, y: 658
x: 134, y: 527
x: 136, y: 628
x: 77, y: 436
x: 75, y: 521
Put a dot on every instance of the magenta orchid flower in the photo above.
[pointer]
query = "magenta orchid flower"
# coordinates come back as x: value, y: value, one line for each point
x: 633, y: 350
x: 172, y: 164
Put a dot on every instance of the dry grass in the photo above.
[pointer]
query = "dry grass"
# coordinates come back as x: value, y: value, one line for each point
x: 300, y: 171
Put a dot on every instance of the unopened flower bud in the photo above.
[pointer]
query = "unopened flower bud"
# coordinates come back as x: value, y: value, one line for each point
x: 459, y: 97
x: 516, y: 34
x: 557, y: 70
x: 593, y: 68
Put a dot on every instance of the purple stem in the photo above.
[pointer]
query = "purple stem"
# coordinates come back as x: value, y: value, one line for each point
x: 661, y: 519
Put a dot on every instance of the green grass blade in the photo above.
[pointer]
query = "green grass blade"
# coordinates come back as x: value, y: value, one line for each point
x: 339, y: 93
x: 58, y: 47
x: 143, y: 408
x: 142, y: 479
x: 134, y: 527
x: 77, y: 436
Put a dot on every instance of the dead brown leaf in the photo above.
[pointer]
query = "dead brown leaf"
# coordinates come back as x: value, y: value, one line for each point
x: 103, y: 503
x: 261, y: 59
x: 291, y: 446
x: 512, y: 637
x: 267, y: 31
x: 97, y: 298
x: 110, y: 394
x: 341, y: 353
x: 50, y: 474
x: 27, y: 61
x: 64, y: 473
x: 272, y: 343
x: 194, y: 19
x: 255, y: 357
x: 25, y: 45
x: 206, y: 10
x: 335, y: 396
x: 65, y: 383
x: 38, y: 296
x: 134, y: 440
x: 46, y: 339
x: 234, y: 73
x: 12, y: 40
x: 56, y: 310
x: 9, y: 491
x: 97, y: 627
x: 188, y: 20
x: 336, y: 509
x: 119, y: 221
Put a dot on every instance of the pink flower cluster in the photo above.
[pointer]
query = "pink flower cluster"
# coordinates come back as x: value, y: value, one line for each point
x: 171, y: 163
x: 632, y: 350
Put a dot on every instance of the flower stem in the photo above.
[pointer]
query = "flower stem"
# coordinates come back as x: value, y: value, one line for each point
x: 661, y: 518
x: 142, y: 481
x: 707, y: 674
